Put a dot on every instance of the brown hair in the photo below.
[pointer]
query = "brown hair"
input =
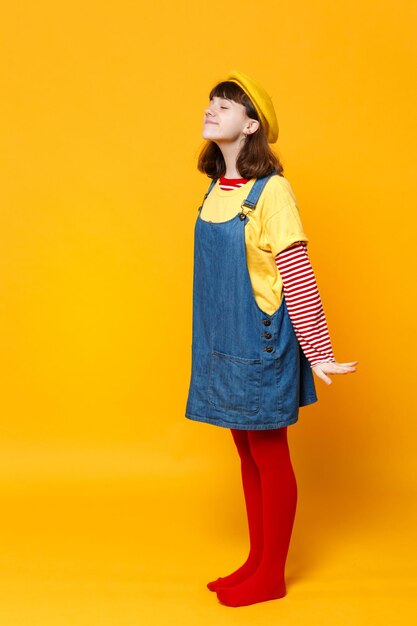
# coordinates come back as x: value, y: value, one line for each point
x: 255, y: 159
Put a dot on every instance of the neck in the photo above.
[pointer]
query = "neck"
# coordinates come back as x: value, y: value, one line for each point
x: 230, y: 152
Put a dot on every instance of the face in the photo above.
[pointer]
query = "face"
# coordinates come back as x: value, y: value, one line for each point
x: 225, y: 120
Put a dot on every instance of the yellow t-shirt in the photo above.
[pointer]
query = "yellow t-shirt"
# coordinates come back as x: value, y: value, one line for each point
x: 272, y: 227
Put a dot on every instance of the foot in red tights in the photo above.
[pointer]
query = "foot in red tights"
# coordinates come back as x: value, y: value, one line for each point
x: 253, y: 498
x: 269, y: 449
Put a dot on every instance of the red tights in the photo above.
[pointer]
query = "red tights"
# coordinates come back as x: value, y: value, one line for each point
x: 270, y: 491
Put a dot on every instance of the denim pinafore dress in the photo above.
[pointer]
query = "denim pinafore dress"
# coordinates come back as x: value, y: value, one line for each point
x: 248, y: 370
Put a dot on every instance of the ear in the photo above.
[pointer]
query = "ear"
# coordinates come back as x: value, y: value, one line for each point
x: 252, y: 127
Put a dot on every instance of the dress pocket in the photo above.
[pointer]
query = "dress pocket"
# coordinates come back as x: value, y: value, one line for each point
x: 234, y: 382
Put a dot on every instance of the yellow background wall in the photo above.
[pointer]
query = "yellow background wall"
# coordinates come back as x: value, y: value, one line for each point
x: 101, y: 120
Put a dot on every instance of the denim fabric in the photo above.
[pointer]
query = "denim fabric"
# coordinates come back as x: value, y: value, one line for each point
x: 248, y: 370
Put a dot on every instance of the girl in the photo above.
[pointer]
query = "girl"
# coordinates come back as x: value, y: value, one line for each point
x: 259, y: 329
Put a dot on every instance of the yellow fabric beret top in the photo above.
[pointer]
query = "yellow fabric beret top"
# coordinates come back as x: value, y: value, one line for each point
x: 261, y: 101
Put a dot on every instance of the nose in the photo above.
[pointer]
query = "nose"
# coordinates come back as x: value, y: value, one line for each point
x: 210, y: 110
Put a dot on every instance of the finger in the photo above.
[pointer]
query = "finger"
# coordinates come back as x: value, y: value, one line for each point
x: 323, y: 376
x: 344, y: 366
x: 350, y: 363
x: 334, y: 370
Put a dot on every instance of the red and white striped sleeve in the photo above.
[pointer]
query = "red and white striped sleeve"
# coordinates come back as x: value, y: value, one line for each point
x: 304, y: 303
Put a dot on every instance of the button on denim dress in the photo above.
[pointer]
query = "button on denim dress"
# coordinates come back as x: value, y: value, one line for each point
x: 248, y: 370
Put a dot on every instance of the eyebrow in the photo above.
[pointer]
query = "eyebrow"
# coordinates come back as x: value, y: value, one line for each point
x: 221, y: 98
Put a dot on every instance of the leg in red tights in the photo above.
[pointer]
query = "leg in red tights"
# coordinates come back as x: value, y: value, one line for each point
x: 270, y: 451
x: 253, y: 498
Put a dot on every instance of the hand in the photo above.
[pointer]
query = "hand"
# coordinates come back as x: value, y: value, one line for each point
x: 332, y: 367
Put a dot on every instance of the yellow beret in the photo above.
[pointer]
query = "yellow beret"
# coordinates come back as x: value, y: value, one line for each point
x: 261, y: 101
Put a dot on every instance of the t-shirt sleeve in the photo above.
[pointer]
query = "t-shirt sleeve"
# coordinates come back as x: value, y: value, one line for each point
x: 282, y: 229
